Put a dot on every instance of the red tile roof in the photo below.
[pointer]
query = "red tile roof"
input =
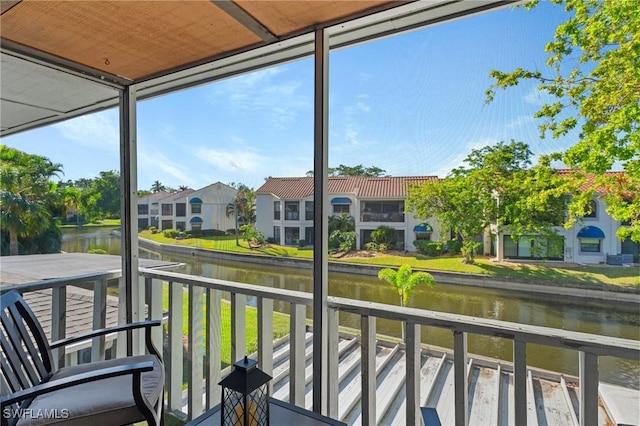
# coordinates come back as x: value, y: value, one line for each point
x: 589, y: 179
x: 360, y: 186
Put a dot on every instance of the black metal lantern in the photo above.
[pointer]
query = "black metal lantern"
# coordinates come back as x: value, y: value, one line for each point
x: 245, y: 395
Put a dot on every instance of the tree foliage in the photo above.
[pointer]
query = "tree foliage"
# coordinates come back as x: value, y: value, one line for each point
x: 245, y: 201
x: 101, y: 199
x: 495, y: 187
x: 593, y: 77
x: 404, y: 280
x: 358, y: 170
x: 28, y: 199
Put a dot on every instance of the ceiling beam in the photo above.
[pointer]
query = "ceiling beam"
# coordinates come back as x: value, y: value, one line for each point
x: 245, y: 19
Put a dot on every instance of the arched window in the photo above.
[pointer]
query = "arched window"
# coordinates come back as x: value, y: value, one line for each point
x: 592, y: 209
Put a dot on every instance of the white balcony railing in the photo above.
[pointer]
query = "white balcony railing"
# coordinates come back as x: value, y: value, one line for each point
x: 204, y: 341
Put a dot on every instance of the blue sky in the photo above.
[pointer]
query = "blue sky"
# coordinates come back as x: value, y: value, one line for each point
x: 411, y: 104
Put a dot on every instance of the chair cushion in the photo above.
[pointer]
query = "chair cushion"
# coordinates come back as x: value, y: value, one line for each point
x: 106, y: 402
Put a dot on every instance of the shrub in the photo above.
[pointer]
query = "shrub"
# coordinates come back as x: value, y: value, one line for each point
x: 153, y: 229
x: 371, y: 246
x: 170, y: 233
x: 302, y: 243
x: 342, y: 240
x: 383, y: 248
x: 429, y: 248
x: 384, y: 235
x: 453, y: 246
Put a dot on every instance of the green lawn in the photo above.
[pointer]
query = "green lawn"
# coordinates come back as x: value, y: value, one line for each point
x: 546, y: 271
x: 113, y: 223
x: 280, y: 325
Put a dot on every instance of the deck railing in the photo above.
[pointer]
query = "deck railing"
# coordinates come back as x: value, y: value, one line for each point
x: 203, y: 315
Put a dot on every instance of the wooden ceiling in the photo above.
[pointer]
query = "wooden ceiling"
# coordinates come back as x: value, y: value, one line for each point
x: 61, y: 59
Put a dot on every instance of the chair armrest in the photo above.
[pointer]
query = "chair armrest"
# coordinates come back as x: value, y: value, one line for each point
x: 54, y: 385
x: 100, y: 332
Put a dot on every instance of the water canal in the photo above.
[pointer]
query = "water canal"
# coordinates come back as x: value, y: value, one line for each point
x: 597, y: 317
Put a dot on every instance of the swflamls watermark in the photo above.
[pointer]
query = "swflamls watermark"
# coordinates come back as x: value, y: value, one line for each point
x: 30, y: 413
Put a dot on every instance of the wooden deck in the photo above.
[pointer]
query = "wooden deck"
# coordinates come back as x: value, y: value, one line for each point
x: 552, y: 398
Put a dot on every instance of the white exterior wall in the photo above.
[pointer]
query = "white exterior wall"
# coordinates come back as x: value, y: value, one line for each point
x: 215, y: 199
x: 264, y: 215
x: 609, y: 245
x: 265, y: 221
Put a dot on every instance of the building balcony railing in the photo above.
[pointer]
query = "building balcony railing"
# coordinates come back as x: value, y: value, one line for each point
x: 382, y: 217
x: 194, y: 369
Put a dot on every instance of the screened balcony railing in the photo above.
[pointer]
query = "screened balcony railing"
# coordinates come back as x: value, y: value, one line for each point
x: 193, y: 357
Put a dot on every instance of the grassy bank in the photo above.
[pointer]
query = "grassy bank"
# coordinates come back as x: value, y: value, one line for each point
x: 280, y: 325
x: 112, y: 223
x: 547, y: 271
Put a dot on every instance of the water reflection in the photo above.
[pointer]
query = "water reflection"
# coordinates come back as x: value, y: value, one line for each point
x: 567, y: 313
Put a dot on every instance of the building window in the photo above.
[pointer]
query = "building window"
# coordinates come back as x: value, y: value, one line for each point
x: 382, y: 211
x: 341, y: 208
x: 591, y: 210
x: 167, y: 209
x: 276, y: 210
x: 143, y: 209
x: 276, y: 234
x: 181, y: 226
x: 423, y: 236
x: 181, y: 209
x: 167, y: 224
x: 308, y: 210
x: 292, y: 210
x: 196, y: 227
x: 143, y: 223
x: 291, y: 235
x: 196, y: 208
x: 533, y: 247
x: 590, y: 245
x: 308, y: 235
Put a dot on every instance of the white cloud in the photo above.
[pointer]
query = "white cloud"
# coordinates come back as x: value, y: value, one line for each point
x: 99, y: 130
x: 231, y: 161
x: 268, y: 94
x: 157, y: 164
x: 538, y: 98
x: 363, y: 107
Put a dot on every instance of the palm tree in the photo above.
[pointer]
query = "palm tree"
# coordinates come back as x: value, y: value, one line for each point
x: 26, y: 194
x: 405, y: 280
x: 183, y: 188
x: 157, y: 186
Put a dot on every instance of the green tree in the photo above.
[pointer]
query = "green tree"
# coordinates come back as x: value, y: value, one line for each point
x: 183, y: 188
x: 102, y: 197
x: 341, y: 222
x: 245, y: 200
x: 593, y: 80
x: 27, y: 197
x: 358, y: 170
x: 494, y: 187
x: 157, y: 186
x: 404, y: 280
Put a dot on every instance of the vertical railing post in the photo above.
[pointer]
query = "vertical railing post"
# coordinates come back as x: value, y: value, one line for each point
x: 412, y: 343
x: 461, y: 388
x: 238, y: 326
x: 265, y: 337
x: 520, y: 381
x: 99, y: 318
x: 214, y: 347
x: 368, y: 376
x: 58, y: 322
x: 153, y: 296
x: 297, y: 354
x: 589, y: 377
x: 333, y: 340
x: 195, y: 339
x: 175, y: 347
